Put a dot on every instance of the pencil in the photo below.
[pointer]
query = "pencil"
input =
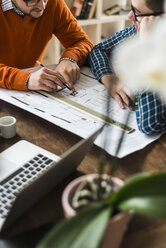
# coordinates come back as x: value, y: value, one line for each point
x: 65, y: 84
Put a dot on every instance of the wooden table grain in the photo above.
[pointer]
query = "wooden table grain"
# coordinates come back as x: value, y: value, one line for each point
x: 142, y: 232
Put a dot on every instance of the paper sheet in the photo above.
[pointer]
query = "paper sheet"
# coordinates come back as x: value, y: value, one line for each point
x: 92, y: 95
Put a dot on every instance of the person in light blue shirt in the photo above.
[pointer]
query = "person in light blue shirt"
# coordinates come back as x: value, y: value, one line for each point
x: 150, y: 110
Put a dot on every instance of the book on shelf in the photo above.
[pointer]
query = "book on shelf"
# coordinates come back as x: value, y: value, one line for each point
x: 92, y: 9
x: 84, y: 6
x: 77, y: 7
x: 115, y: 9
x: 88, y: 8
x: 83, y: 9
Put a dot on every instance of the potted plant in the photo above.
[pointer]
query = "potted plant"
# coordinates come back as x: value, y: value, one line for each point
x: 144, y: 193
x: 84, y: 190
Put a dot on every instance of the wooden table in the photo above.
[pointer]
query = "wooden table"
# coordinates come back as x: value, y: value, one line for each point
x: 142, y: 232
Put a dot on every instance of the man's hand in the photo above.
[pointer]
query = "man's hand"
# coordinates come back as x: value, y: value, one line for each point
x: 146, y: 25
x: 45, y: 79
x: 117, y: 91
x: 69, y: 71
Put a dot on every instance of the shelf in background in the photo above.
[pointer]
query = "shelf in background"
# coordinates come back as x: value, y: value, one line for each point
x: 103, y: 19
x: 113, y: 18
x: 88, y: 22
x: 96, y: 28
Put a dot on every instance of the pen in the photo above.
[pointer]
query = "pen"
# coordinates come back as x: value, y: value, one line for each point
x: 63, y: 82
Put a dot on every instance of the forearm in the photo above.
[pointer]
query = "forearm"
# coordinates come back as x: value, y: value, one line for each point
x: 13, y: 78
x: 99, y: 60
x: 150, y: 113
x: 109, y: 80
x: 71, y: 35
x: 100, y: 57
x: 78, y: 51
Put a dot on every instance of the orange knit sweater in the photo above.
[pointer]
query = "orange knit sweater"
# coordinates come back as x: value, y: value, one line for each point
x: 24, y: 40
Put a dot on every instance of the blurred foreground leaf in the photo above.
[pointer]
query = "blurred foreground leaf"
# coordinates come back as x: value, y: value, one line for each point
x: 86, y: 229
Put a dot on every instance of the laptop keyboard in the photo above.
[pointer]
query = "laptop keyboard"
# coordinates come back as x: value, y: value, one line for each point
x: 13, y: 184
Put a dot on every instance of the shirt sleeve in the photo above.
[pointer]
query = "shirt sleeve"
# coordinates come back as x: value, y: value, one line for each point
x: 13, y: 78
x: 100, y: 56
x: 150, y: 113
x: 75, y: 41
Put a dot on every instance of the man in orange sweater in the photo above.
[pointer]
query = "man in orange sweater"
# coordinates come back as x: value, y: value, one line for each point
x: 26, y: 27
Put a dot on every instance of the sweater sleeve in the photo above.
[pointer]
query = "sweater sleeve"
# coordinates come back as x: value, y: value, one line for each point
x: 13, y: 78
x: 72, y: 37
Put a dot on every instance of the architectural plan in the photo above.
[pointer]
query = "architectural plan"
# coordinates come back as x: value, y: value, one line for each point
x: 84, y: 113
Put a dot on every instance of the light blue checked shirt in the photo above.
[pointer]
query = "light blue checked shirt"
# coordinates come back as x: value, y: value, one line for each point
x: 150, y: 110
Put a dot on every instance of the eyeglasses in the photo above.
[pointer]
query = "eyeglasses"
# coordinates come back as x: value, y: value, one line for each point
x: 142, y: 15
x: 31, y: 3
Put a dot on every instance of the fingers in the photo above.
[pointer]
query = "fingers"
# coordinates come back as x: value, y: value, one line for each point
x: 47, y: 88
x: 124, y: 100
x: 47, y: 85
x: 124, y: 97
x: 77, y: 74
x: 131, y: 105
x: 40, y: 80
x: 69, y: 79
x: 53, y: 73
x: 70, y: 72
x: 52, y: 77
x: 146, y: 25
x: 119, y: 101
x: 46, y: 79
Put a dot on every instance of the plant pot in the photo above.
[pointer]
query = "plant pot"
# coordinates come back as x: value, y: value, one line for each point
x: 116, y: 226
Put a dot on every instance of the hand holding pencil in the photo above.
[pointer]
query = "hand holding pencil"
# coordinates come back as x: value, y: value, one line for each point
x: 70, y: 72
x: 47, y: 80
x: 59, y: 76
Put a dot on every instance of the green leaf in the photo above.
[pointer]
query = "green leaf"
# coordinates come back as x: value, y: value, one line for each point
x: 84, y: 230
x: 143, y: 184
x: 151, y: 206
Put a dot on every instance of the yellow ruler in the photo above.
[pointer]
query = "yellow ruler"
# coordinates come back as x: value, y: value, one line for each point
x: 91, y: 112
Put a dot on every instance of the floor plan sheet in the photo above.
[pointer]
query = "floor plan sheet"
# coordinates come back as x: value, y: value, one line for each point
x: 84, y: 113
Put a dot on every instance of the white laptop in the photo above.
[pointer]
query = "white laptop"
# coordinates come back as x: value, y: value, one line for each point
x: 28, y: 172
